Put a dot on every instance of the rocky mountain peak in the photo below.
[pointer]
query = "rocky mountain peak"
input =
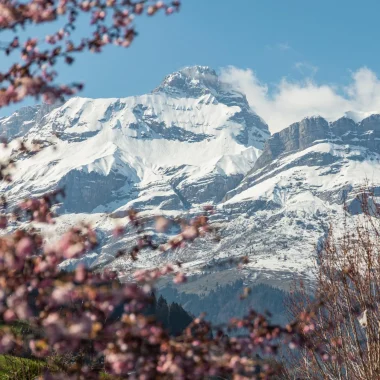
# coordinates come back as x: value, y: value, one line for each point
x: 370, y: 123
x: 191, y: 81
x: 199, y: 81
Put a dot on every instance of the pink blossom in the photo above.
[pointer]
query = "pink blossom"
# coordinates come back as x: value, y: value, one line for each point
x: 180, y: 278
x: 24, y: 247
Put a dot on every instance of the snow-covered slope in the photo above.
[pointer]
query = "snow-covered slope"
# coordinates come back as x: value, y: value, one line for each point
x: 281, y: 211
x: 195, y: 141
x: 298, y: 188
x: 187, y: 143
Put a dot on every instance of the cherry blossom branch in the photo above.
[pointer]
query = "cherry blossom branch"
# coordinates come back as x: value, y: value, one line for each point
x: 111, y: 21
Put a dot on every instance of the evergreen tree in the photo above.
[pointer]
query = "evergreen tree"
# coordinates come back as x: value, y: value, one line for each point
x: 178, y: 319
x: 162, y: 312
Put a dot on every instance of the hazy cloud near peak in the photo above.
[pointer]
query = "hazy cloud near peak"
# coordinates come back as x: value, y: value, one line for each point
x: 282, y: 46
x: 292, y: 101
x: 306, y: 68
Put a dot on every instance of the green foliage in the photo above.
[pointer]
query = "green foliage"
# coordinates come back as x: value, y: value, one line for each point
x: 172, y: 316
x: 15, y: 368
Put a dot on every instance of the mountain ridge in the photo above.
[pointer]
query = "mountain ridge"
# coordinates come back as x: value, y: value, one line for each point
x: 302, y: 134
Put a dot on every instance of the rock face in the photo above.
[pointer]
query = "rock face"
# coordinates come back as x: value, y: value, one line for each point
x: 195, y: 141
x: 296, y: 137
x: 19, y: 123
x: 82, y: 189
x: 307, y: 132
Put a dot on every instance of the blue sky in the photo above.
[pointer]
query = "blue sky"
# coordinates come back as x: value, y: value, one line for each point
x: 269, y: 36
x: 320, y: 41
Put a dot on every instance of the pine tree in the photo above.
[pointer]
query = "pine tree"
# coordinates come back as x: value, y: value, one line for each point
x: 179, y: 319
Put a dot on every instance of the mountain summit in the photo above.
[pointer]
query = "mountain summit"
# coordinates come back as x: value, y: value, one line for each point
x: 192, y: 81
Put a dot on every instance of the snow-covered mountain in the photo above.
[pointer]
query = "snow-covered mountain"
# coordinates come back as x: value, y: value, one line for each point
x: 300, y: 185
x: 187, y: 143
x: 195, y: 141
x: 190, y: 141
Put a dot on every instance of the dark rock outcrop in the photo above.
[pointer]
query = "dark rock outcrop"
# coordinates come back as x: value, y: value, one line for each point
x: 82, y: 189
x: 307, y: 132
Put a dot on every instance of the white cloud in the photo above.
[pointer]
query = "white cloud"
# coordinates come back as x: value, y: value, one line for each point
x: 283, y: 46
x: 291, y: 101
x: 306, y: 68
